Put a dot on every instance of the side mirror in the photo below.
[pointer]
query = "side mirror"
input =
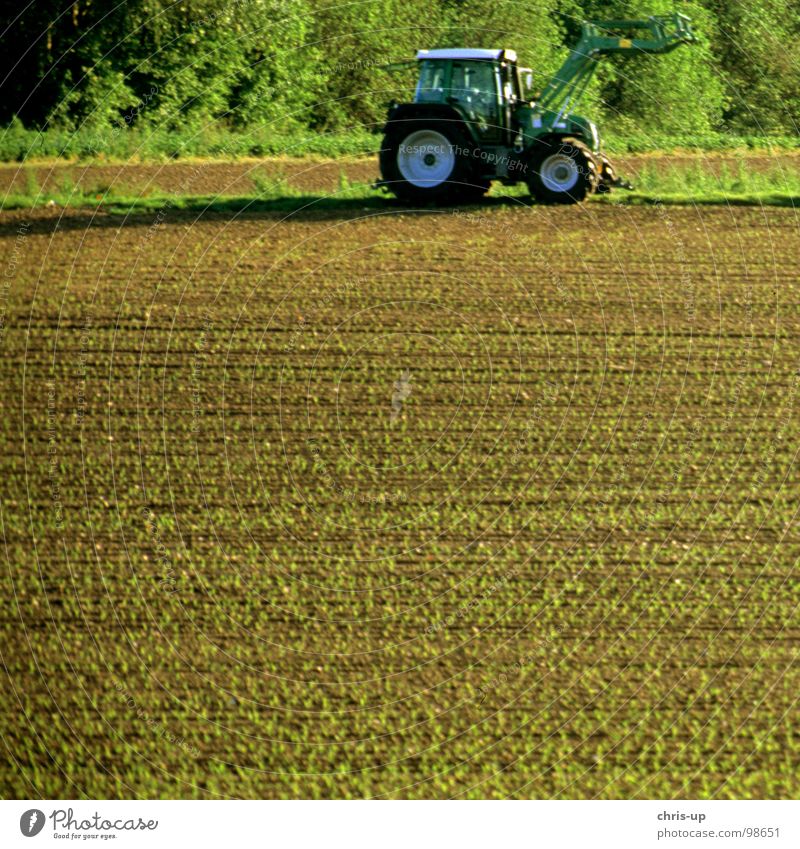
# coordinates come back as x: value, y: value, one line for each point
x: 526, y: 75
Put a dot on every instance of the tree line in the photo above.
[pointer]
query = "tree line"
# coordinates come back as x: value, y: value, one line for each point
x: 318, y: 65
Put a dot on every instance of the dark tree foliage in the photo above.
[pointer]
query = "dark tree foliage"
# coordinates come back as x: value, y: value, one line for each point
x: 314, y: 64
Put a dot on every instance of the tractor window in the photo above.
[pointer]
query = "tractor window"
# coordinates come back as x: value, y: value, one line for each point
x: 430, y: 88
x: 474, y: 85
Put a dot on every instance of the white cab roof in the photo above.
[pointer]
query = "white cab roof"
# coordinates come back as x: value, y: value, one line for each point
x: 467, y: 53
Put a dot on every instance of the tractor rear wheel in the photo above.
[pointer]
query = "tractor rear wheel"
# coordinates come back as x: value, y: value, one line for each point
x: 563, y: 171
x: 428, y: 161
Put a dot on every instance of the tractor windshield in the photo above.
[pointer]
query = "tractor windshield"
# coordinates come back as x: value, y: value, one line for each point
x: 475, y: 86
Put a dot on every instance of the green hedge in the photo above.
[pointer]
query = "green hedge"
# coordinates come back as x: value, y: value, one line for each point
x: 155, y: 78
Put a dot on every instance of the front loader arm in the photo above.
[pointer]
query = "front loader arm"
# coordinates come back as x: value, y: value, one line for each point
x: 657, y: 34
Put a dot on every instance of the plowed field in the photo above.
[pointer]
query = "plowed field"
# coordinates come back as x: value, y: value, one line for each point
x: 496, y: 502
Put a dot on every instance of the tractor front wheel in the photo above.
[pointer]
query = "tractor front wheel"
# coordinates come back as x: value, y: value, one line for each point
x: 608, y: 177
x: 428, y: 161
x: 563, y: 172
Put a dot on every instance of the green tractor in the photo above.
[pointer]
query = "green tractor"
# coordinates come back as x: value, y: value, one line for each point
x: 472, y: 120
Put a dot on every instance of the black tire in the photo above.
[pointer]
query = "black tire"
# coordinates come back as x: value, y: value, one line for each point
x: 562, y: 171
x: 448, y: 179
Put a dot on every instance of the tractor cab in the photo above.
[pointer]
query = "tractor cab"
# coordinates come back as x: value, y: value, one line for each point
x: 484, y: 84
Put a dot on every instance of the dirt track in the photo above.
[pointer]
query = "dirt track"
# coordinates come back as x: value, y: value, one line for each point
x: 309, y: 175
